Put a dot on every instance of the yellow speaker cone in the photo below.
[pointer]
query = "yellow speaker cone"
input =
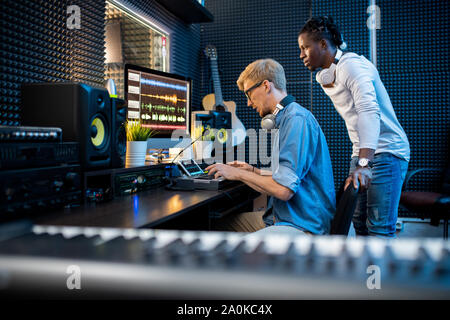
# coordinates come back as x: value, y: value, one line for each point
x: 222, y: 135
x: 97, y: 132
x: 208, y: 133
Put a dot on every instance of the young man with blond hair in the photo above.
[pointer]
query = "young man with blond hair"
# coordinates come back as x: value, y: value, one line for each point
x: 300, y: 186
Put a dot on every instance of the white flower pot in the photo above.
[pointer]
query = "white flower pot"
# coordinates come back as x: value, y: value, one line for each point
x: 136, y: 152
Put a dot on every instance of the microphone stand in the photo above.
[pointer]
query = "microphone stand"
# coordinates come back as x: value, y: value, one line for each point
x: 173, y: 160
x: 206, y: 132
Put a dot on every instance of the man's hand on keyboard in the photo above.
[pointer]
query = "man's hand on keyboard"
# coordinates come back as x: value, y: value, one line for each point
x: 223, y: 170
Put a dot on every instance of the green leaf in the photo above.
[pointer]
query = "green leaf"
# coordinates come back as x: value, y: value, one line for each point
x: 136, y: 132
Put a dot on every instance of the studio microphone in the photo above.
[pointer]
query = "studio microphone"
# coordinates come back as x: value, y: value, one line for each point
x: 111, y: 87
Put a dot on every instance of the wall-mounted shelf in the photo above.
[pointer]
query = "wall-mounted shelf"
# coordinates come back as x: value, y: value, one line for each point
x: 190, y: 11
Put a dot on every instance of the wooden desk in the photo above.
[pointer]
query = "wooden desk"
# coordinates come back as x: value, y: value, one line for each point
x: 158, y: 208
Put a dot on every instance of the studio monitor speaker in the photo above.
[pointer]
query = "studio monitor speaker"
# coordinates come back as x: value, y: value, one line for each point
x: 84, y: 114
x: 222, y: 123
x: 118, y: 134
x: 214, y: 123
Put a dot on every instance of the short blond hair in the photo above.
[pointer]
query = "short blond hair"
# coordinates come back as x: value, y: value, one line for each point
x: 263, y: 69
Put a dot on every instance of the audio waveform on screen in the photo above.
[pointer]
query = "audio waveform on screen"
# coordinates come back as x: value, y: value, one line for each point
x: 162, y: 117
x: 167, y: 117
x: 157, y: 83
x: 157, y: 108
x: 164, y: 126
x: 174, y: 99
x: 161, y: 108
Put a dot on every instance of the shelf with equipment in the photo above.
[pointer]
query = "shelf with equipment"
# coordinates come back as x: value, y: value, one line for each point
x: 190, y: 11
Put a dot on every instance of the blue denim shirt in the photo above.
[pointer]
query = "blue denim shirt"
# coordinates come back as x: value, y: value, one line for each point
x: 301, y: 162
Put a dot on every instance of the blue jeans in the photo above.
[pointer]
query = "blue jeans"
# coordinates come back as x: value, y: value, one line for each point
x: 377, y: 208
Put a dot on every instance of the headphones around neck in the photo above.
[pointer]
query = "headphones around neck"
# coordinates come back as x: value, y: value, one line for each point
x: 268, y: 122
x: 327, y: 76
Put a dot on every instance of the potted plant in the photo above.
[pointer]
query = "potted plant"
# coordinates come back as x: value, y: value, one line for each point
x: 137, y: 136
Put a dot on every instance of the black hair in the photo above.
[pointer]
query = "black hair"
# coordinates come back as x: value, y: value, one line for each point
x: 323, y: 28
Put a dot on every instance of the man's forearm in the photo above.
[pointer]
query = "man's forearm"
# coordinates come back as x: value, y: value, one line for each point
x: 255, y: 187
x: 366, y: 153
x: 263, y: 172
x: 265, y: 184
x: 259, y: 172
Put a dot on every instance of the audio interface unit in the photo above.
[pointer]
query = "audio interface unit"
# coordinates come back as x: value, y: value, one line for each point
x: 39, y: 189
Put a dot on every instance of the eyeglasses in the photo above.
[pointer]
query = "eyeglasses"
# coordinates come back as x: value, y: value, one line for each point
x: 247, y: 92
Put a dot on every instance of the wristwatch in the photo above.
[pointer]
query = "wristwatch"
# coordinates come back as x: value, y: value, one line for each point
x: 364, y: 162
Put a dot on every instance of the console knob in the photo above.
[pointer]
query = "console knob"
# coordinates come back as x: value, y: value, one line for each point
x: 72, y: 179
x: 57, y: 185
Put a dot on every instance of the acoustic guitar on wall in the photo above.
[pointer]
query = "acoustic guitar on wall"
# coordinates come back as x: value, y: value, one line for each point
x: 214, y: 101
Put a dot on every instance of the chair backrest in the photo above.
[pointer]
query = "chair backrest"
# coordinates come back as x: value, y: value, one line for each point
x: 346, y: 204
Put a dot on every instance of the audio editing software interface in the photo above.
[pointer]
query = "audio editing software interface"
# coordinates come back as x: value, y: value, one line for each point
x: 159, y: 102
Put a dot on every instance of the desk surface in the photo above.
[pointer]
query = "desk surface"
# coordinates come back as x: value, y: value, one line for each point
x: 144, y: 209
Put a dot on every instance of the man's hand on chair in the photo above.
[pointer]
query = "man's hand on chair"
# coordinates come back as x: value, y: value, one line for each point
x: 362, y: 176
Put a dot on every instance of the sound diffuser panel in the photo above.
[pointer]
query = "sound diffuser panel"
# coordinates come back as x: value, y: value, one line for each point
x: 37, y: 46
x: 34, y: 47
x: 88, y: 43
x: 413, y: 46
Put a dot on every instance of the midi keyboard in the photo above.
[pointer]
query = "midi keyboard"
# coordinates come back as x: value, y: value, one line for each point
x: 74, y: 262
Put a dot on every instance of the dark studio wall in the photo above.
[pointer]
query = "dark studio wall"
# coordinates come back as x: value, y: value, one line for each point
x: 412, y: 52
x: 244, y: 31
x: 37, y: 46
x: 413, y: 60
x: 184, y: 46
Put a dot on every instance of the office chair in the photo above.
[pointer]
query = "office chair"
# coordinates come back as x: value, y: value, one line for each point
x: 346, y: 205
x: 435, y: 205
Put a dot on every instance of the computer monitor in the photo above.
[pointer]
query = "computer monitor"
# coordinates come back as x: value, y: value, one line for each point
x: 161, y: 101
